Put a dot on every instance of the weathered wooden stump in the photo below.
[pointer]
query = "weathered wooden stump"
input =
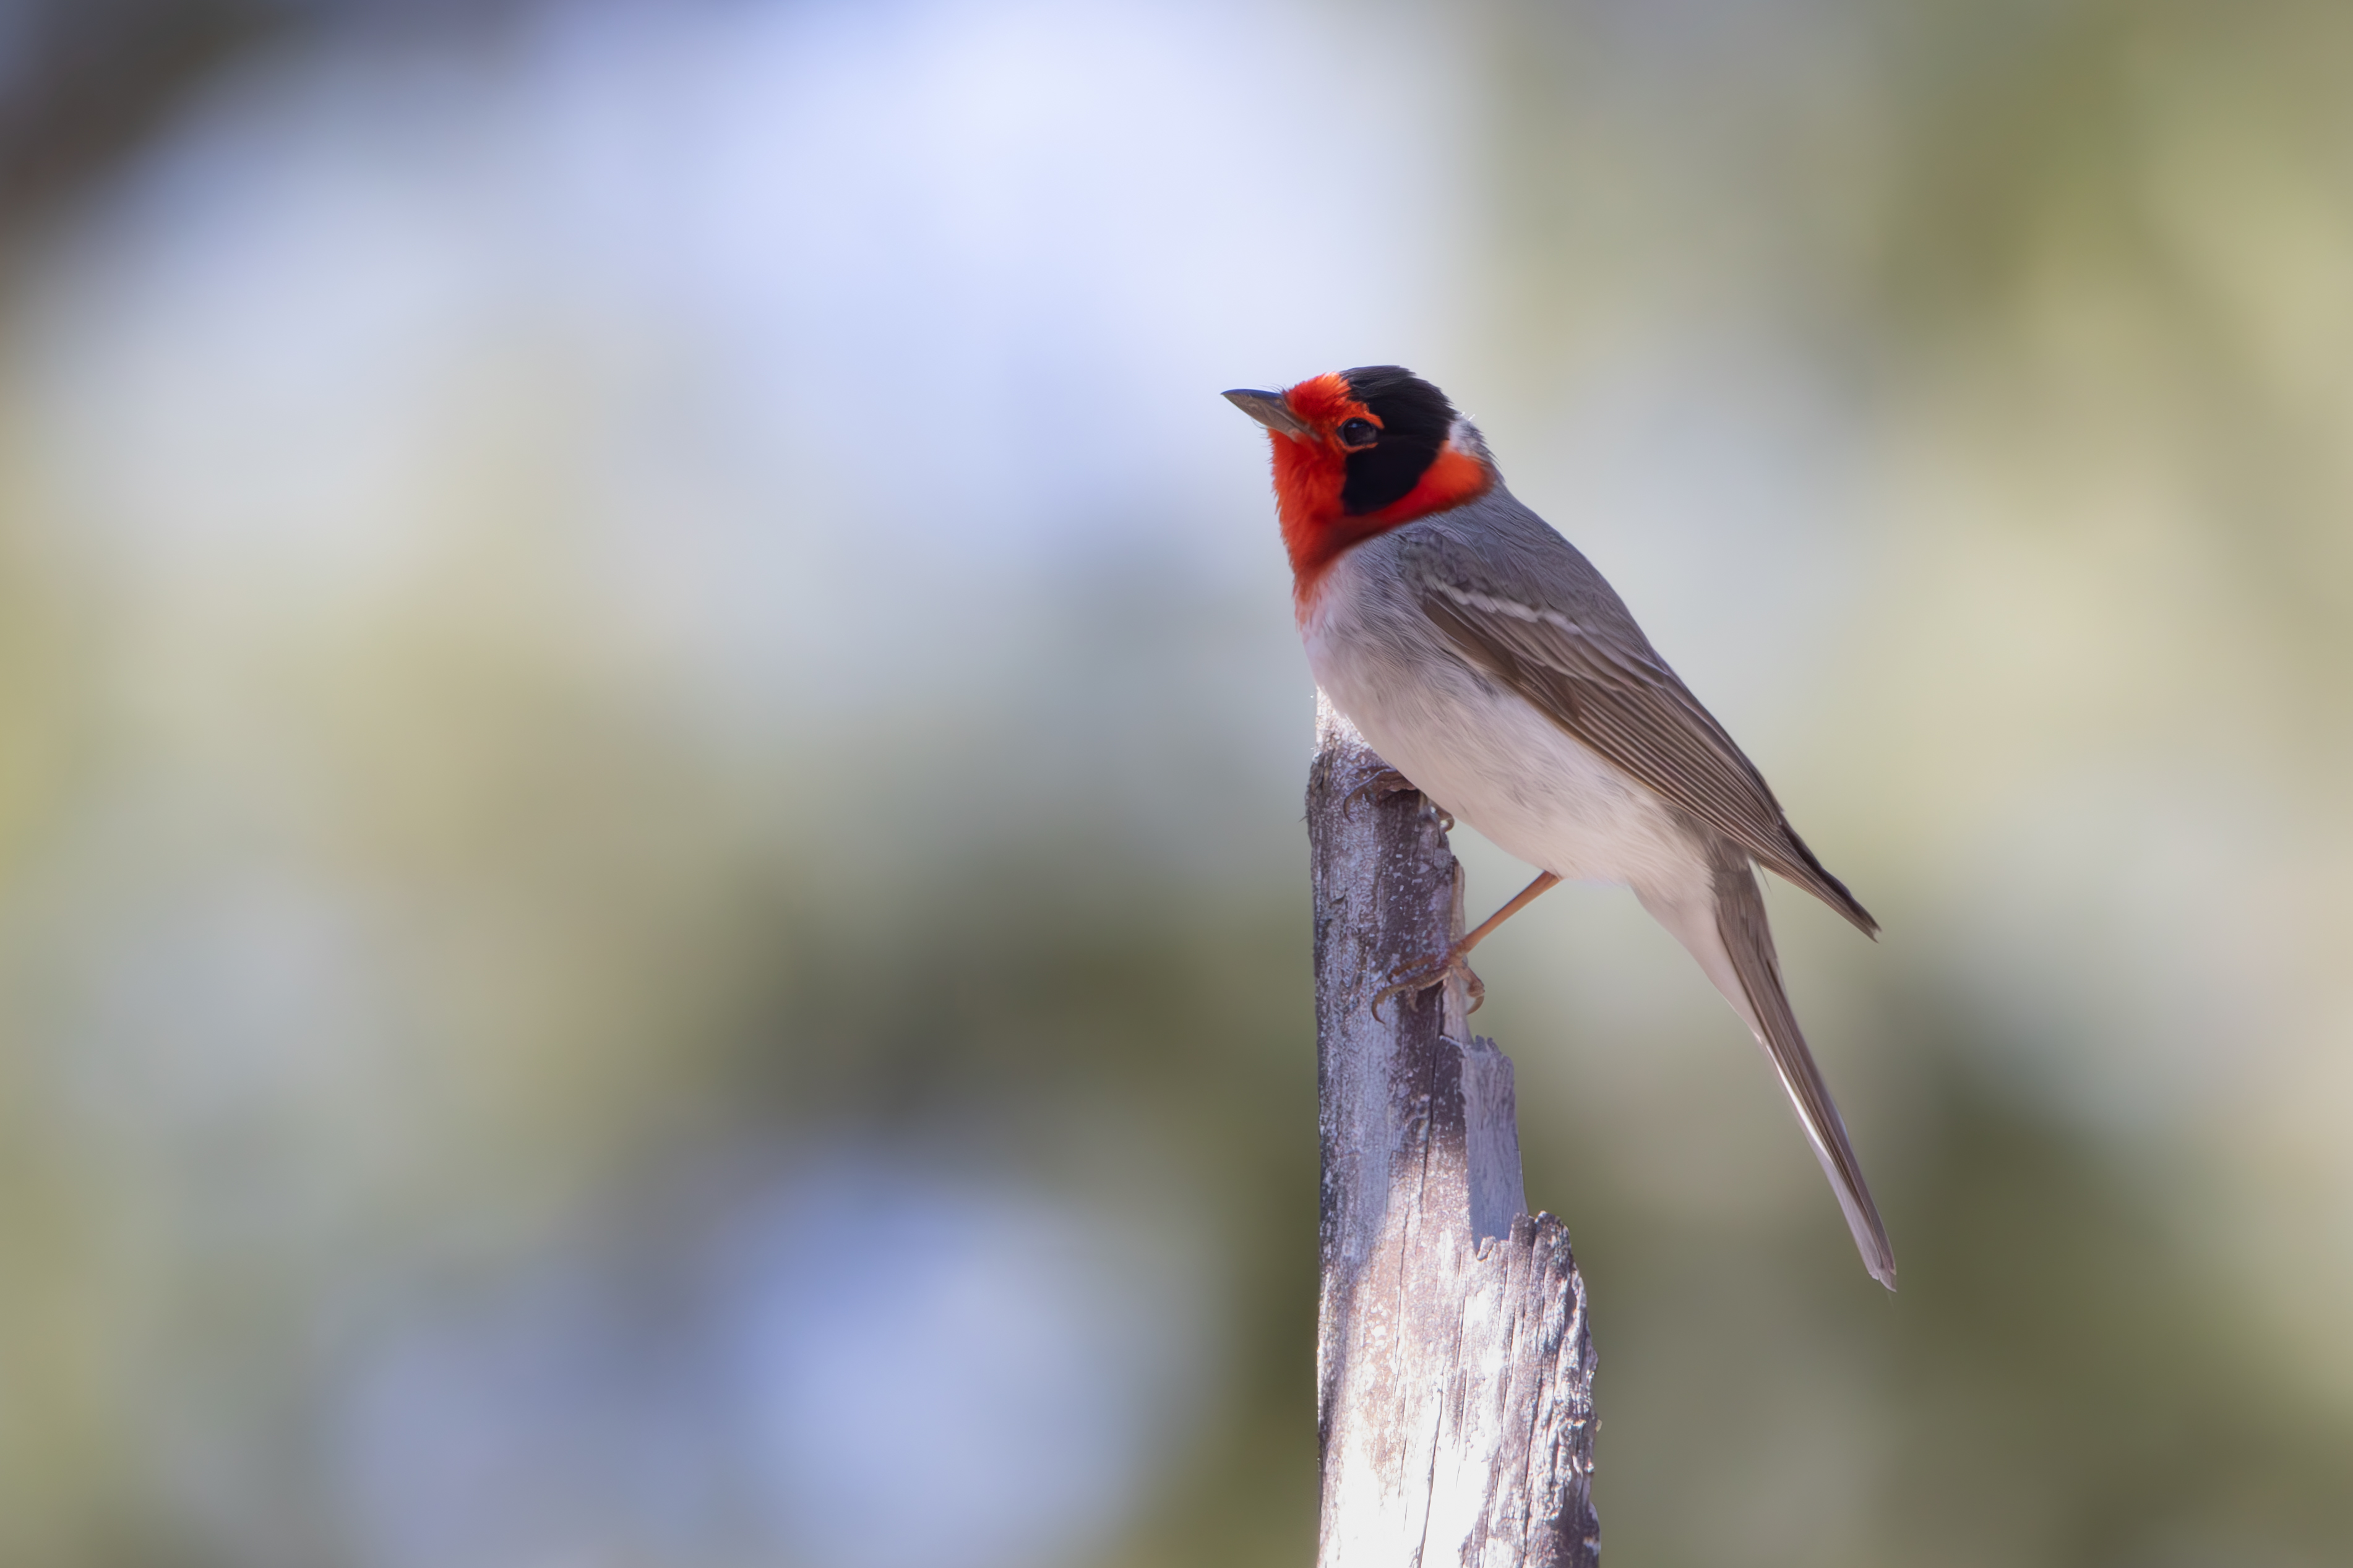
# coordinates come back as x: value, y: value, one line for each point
x: 1454, y: 1374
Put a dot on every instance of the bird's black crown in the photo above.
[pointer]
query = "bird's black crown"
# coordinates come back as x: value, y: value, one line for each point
x: 1415, y: 419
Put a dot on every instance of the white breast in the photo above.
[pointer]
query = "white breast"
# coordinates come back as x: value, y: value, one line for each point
x: 1481, y: 751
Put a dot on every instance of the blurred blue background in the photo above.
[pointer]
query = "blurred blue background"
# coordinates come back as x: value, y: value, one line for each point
x: 652, y: 904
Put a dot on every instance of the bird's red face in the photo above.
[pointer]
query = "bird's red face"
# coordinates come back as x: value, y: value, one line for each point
x: 1356, y: 453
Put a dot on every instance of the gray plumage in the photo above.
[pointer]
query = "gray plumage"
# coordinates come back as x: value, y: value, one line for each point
x: 1485, y: 659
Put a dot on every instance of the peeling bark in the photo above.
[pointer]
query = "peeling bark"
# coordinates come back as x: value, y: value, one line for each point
x: 1454, y: 1374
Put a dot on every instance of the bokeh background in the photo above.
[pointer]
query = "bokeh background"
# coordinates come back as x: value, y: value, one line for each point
x: 652, y: 902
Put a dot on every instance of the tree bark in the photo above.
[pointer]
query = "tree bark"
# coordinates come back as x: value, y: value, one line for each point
x: 1454, y: 1374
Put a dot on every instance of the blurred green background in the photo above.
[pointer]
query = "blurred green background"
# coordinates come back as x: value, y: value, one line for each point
x: 652, y: 902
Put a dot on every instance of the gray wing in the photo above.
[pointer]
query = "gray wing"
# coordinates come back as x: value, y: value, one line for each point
x: 1587, y: 667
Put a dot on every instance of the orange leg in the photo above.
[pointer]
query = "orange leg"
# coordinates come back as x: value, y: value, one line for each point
x: 1423, y: 979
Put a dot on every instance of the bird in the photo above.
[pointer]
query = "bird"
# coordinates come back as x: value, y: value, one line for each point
x: 1493, y: 667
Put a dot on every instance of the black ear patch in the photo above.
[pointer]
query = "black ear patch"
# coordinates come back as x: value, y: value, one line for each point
x: 1415, y: 418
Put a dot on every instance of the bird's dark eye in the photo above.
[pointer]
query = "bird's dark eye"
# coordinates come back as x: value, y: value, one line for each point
x: 1359, y: 433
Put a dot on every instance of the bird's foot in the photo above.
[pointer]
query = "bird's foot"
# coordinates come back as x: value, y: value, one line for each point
x: 1388, y: 781
x: 1456, y: 965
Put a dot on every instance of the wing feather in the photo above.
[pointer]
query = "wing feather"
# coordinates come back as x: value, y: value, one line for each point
x: 1602, y: 683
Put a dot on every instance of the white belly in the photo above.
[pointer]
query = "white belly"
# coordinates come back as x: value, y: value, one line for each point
x: 1485, y: 753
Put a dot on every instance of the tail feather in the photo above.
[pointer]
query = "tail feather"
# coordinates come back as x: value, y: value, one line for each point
x: 1748, y: 941
x: 1720, y: 922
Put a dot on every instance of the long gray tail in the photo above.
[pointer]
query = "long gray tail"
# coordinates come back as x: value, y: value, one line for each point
x: 1749, y: 942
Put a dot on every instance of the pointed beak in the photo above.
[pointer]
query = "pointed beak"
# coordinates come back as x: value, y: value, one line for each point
x: 1270, y: 410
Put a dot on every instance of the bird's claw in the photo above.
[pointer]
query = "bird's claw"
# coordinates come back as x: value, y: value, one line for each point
x: 1456, y: 964
x: 1388, y: 781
